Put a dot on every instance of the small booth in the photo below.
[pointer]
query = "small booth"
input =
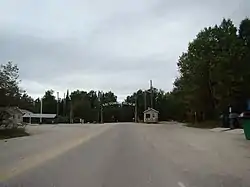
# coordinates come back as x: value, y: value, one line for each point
x: 150, y: 116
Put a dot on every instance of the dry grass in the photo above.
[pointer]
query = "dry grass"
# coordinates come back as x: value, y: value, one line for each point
x: 205, y: 124
x: 12, y: 133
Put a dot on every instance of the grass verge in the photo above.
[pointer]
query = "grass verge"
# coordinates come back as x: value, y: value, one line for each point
x: 205, y: 124
x: 12, y: 133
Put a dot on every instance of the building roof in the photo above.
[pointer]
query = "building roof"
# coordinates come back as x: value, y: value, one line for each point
x: 151, y: 109
x: 32, y: 115
x: 24, y: 111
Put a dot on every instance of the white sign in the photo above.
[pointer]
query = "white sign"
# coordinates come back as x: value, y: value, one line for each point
x: 130, y: 104
x: 111, y: 103
x: 115, y: 103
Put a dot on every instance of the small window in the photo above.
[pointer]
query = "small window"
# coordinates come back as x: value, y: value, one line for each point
x: 147, y: 115
x: 153, y: 115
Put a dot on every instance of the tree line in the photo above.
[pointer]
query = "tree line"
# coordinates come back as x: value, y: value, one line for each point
x: 78, y: 103
x: 214, y: 74
x: 10, y: 92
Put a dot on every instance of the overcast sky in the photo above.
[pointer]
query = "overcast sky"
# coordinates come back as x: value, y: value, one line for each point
x: 116, y: 45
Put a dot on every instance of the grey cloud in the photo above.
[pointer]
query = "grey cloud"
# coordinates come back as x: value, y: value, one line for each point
x: 109, y: 45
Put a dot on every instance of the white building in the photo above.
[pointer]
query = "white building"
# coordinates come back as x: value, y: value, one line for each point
x: 150, y: 116
x: 35, y: 118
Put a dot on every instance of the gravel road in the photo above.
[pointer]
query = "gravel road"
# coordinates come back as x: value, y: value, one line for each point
x: 126, y: 155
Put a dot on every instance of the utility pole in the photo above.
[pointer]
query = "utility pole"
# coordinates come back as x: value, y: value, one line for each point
x: 57, y: 106
x: 101, y: 113
x: 41, y: 110
x: 64, y: 103
x: 101, y: 106
x: 145, y: 100
x: 151, y: 93
x: 71, y: 112
x: 100, y: 97
x: 30, y: 118
x: 136, y: 108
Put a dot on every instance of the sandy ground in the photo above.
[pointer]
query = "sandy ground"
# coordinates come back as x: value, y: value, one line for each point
x: 44, y: 142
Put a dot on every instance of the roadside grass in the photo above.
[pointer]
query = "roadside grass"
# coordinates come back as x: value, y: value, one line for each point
x: 12, y: 133
x: 205, y: 124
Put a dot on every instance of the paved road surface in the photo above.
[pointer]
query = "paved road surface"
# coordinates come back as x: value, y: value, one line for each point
x: 137, y: 155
